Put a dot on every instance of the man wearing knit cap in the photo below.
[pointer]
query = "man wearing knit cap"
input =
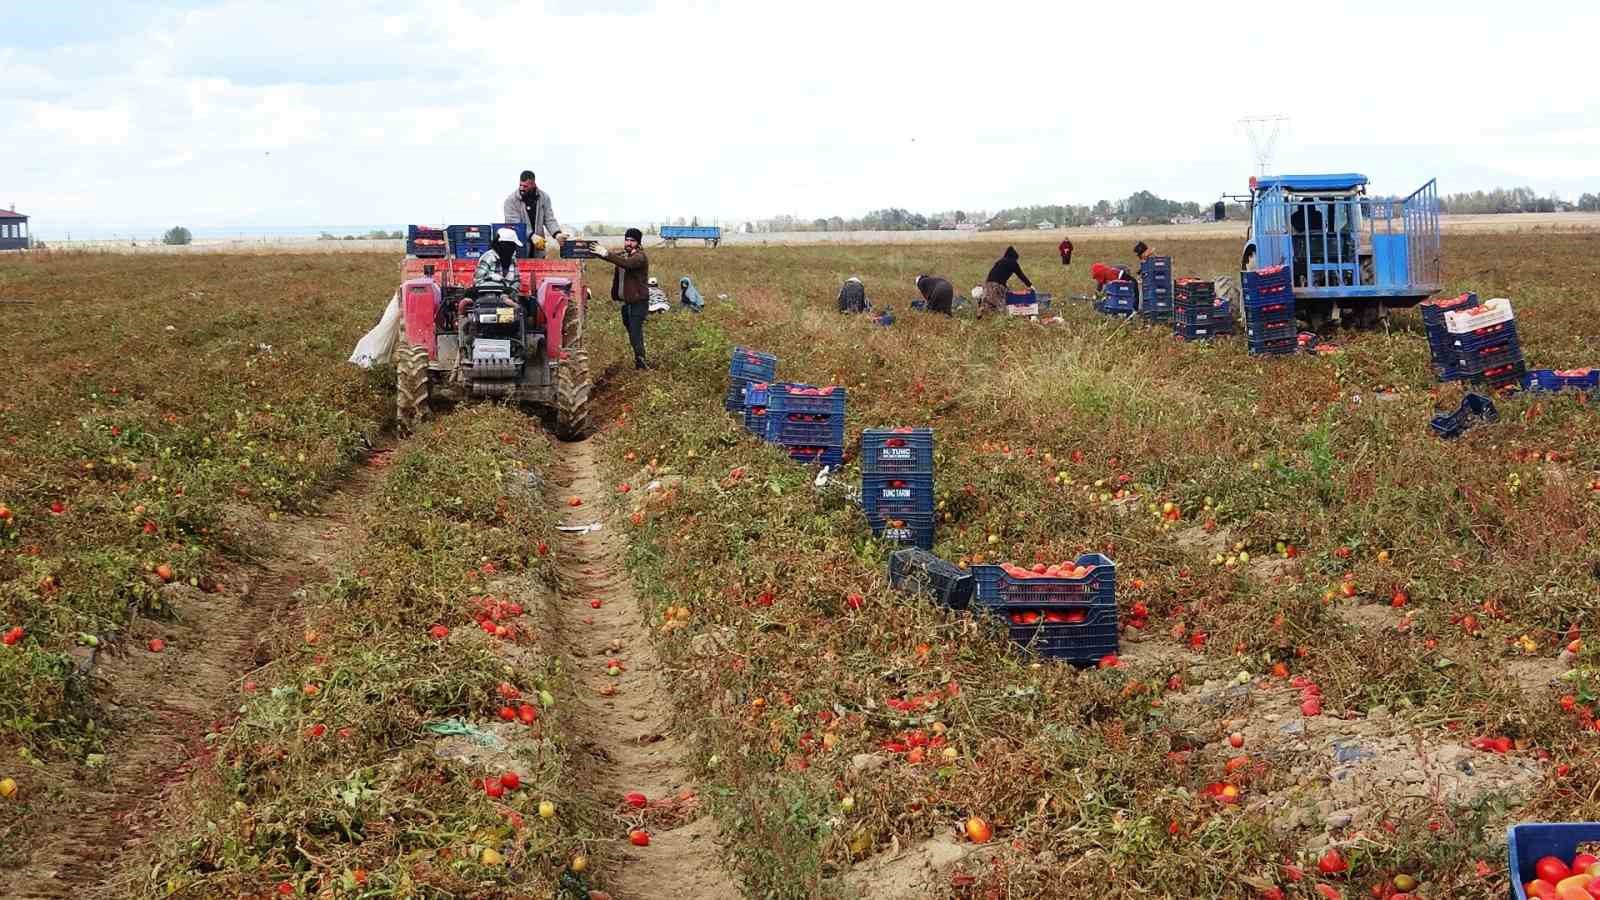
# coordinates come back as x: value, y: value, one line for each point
x: 630, y: 286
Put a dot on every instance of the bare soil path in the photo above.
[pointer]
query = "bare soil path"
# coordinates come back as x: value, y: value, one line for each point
x: 633, y: 736
x: 161, y: 705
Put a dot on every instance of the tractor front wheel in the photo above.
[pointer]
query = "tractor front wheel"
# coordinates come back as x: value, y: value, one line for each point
x: 572, y: 376
x: 411, y: 385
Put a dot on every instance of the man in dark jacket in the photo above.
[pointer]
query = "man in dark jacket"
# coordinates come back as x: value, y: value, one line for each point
x: 1066, y: 251
x: 630, y: 286
x: 853, y: 296
x: 996, y: 285
x: 938, y: 292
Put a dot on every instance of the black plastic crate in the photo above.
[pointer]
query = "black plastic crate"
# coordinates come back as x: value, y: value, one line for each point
x: 1053, y: 634
x: 1482, y: 359
x: 897, y: 451
x: 917, y: 571
x: 426, y: 242
x: 1271, y: 331
x: 1511, y: 375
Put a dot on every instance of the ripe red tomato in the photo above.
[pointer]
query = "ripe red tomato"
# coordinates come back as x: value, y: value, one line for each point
x: 1332, y: 863
x: 636, y: 800
x: 439, y: 632
x: 508, y: 714
x: 1582, y: 862
x: 528, y: 714
x: 639, y: 837
x: 1539, y: 889
x: 493, y: 788
x: 1025, y: 617
x: 1551, y: 869
x: 511, y: 781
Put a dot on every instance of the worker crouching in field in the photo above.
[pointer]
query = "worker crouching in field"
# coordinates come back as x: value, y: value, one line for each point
x: 1104, y: 274
x: 998, y: 282
x: 688, y: 296
x: 853, y: 296
x: 936, y: 292
x: 630, y: 286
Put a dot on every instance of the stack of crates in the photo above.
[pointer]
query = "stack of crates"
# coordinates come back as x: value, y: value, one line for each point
x: 470, y: 241
x: 748, y: 367
x: 1120, y: 299
x: 1269, y: 320
x: 807, y: 421
x: 1199, y: 315
x: 1483, y: 344
x: 1072, y: 619
x: 897, y: 484
x: 755, y: 409
x: 1155, y: 288
x: 1438, y: 335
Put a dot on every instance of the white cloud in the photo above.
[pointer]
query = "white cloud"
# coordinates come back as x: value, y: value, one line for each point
x: 248, y: 112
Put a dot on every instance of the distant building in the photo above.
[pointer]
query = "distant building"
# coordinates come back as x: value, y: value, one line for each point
x: 13, y: 230
x: 1046, y: 225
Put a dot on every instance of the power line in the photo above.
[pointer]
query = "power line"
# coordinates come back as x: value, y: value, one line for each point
x: 1263, y: 132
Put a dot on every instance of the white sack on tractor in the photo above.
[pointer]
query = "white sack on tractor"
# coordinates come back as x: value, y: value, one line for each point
x: 377, y: 345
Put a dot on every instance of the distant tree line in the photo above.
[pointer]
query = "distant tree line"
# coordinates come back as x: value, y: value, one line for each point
x: 1514, y: 200
x: 1140, y: 207
x: 377, y: 234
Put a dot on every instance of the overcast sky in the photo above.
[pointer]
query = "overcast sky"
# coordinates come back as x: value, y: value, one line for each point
x: 255, y: 114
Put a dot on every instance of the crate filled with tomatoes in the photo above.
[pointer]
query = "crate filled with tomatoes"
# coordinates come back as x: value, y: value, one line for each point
x: 1066, y: 611
x: 746, y: 368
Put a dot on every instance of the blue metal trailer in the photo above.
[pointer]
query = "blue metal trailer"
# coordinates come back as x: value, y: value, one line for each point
x: 711, y: 234
x: 1348, y: 252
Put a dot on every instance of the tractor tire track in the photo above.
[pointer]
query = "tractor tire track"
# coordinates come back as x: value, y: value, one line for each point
x: 632, y: 735
x: 160, y: 706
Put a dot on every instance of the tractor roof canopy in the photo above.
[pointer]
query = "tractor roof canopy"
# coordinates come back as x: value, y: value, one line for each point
x: 1347, y: 181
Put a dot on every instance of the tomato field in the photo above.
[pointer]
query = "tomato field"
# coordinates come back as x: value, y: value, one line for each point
x: 257, y: 643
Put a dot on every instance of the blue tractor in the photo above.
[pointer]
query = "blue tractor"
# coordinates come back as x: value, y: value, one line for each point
x: 1353, y: 256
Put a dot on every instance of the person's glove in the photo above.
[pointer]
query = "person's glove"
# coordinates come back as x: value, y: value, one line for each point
x: 559, y: 236
x: 599, y: 250
x: 538, y: 242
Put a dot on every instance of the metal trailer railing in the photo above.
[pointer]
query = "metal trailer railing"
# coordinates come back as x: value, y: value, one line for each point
x: 1352, y: 246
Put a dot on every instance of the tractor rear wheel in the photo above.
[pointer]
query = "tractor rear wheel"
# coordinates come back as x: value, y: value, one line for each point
x: 411, y: 385
x: 572, y: 376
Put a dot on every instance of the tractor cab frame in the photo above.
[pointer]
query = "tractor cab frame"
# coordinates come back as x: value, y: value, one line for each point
x: 1348, y: 251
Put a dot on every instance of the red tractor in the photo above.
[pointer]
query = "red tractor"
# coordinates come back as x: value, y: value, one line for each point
x: 459, y: 342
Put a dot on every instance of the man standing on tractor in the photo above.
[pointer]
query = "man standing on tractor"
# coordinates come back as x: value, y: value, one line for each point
x: 531, y: 206
x: 630, y: 286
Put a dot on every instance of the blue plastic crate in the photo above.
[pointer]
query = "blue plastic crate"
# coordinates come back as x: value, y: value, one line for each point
x: 1484, y: 337
x: 1561, y: 380
x: 1499, y: 377
x: 469, y: 241
x: 753, y: 365
x: 804, y: 429
x: 1474, y: 408
x: 1271, y: 331
x: 1266, y: 278
x: 1529, y: 842
x: 1474, y: 362
x: 883, y: 488
x: 806, y: 398
x: 1155, y: 264
x: 1002, y: 591
x: 897, y: 451
x: 1279, y: 347
x: 915, y: 531
x: 755, y: 409
x: 823, y: 456
x: 1207, y: 314
x: 880, y: 508
x: 1058, y: 635
x: 1203, y: 331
